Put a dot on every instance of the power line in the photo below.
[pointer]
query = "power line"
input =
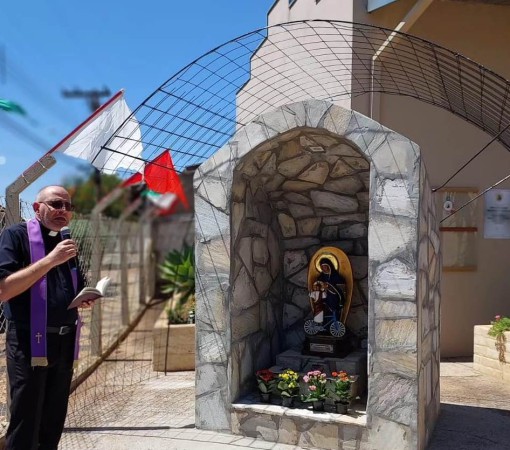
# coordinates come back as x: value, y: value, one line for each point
x: 27, y: 135
x: 37, y: 93
x: 471, y: 159
x: 23, y: 132
x: 477, y: 197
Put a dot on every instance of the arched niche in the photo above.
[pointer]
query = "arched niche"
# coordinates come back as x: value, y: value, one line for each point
x: 243, y: 236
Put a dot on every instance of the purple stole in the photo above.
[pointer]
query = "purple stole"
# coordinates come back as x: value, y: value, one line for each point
x: 38, y: 301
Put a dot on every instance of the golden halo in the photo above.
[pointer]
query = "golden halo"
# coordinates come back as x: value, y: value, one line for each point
x: 330, y: 257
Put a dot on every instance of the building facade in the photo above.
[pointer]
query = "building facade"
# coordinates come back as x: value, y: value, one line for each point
x: 474, y: 291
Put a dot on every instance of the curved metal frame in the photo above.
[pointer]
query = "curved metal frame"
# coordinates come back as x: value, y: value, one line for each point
x: 195, y: 112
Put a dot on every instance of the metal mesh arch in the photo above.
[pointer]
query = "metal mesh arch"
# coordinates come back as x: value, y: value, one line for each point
x: 196, y: 111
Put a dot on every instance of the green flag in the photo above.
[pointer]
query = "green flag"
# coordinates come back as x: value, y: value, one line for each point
x: 9, y: 106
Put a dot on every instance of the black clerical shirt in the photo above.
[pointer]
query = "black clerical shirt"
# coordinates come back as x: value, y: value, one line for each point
x: 15, y: 255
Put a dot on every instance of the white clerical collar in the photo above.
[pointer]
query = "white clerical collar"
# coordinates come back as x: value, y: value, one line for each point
x: 50, y: 232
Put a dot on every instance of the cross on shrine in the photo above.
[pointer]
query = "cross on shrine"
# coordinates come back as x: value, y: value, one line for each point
x: 38, y: 336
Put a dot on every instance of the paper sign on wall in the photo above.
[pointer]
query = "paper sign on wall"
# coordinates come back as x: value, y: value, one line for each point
x: 497, y: 214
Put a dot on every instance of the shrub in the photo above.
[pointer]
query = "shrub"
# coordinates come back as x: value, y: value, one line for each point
x: 178, y: 276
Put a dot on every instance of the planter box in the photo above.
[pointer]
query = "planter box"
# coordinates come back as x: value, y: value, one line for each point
x: 173, y: 346
x: 486, y: 355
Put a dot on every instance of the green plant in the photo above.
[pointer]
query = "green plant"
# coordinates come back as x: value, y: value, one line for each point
x: 178, y: 278
x: 288, y: 385
x: 342, y: 386
x: 499, y: 326
x: 316, y: 383
x: 265, y: 380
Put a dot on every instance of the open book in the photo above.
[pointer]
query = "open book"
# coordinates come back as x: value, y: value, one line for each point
x: 90, y: 293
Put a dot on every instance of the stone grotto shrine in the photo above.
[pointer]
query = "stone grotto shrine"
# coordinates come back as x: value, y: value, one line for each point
x: 306, y: 176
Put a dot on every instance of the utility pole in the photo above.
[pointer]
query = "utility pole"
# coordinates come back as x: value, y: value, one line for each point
x: 93, y: 99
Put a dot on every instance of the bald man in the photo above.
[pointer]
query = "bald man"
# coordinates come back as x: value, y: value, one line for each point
x: 38, y: 280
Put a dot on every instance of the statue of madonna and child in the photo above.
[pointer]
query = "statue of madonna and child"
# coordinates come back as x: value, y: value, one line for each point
x: 330, y: 290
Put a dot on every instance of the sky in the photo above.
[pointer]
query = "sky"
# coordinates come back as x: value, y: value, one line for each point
x: 48, y: 46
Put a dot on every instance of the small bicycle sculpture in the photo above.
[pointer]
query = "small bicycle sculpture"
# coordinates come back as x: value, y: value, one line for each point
x: 330, y: 291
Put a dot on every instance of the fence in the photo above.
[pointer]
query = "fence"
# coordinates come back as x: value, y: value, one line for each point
x: 122, y: 250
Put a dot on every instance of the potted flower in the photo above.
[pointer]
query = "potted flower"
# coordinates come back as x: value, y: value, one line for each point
x: 315, y: 381
x: 288, y: 386
x: 499, y: 326
x: 265, y: 382
x: 342, y: 391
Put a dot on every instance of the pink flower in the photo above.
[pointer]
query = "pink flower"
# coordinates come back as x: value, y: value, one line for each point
x: 313, y: 388
x: 323, y: 375
x: 498, y: 317
x: 306, y: 378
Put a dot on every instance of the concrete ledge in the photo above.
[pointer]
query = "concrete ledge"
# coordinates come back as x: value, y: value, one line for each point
x: 300, y: 427
x: 174, y: 346
x: 486, y: 354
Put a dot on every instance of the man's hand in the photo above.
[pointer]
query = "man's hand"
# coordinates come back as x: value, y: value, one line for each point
x: 63, y: 252
x: 87, y: 304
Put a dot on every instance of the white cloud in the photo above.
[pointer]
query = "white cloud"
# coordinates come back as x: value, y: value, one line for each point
x: 3, y: 160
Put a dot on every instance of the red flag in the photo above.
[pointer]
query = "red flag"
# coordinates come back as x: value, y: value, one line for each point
x: 136, y: 178
x: 161, y: 176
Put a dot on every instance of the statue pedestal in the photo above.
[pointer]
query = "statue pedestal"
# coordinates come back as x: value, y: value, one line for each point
x: 355, y: 363
x: 326, y: 346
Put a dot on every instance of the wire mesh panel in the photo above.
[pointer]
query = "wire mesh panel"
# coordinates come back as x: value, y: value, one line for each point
x: 27, y: 213
x: 3, y: 323
x: 106, y: 328
x: 2, y: 213
x: 119, y: 246
x: 196, y: 111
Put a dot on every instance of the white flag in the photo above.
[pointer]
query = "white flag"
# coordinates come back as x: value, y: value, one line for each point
x: 87, y: 141
x: 162, y: 201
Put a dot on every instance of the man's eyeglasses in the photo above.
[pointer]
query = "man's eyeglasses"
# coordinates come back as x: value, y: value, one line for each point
x: 59, y: 204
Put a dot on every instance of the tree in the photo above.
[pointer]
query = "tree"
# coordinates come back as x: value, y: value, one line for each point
x: 83, y: 193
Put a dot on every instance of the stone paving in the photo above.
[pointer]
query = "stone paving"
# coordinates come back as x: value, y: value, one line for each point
x: 159, y: 414
x: 475, y: 410
x: 158, y: 411
x: 125, y: 405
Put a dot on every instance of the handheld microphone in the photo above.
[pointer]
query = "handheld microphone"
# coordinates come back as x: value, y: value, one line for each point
x: 65, y: 233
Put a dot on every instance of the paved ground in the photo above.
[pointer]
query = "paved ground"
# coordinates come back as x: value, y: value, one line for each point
x: 475, y: 410
x: 125, y: 405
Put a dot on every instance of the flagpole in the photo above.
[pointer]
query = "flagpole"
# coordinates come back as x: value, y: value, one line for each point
x: 39, y: 167
x: 87, y: 121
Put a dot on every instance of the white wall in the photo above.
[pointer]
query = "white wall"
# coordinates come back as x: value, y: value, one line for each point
x: 310, y: 9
